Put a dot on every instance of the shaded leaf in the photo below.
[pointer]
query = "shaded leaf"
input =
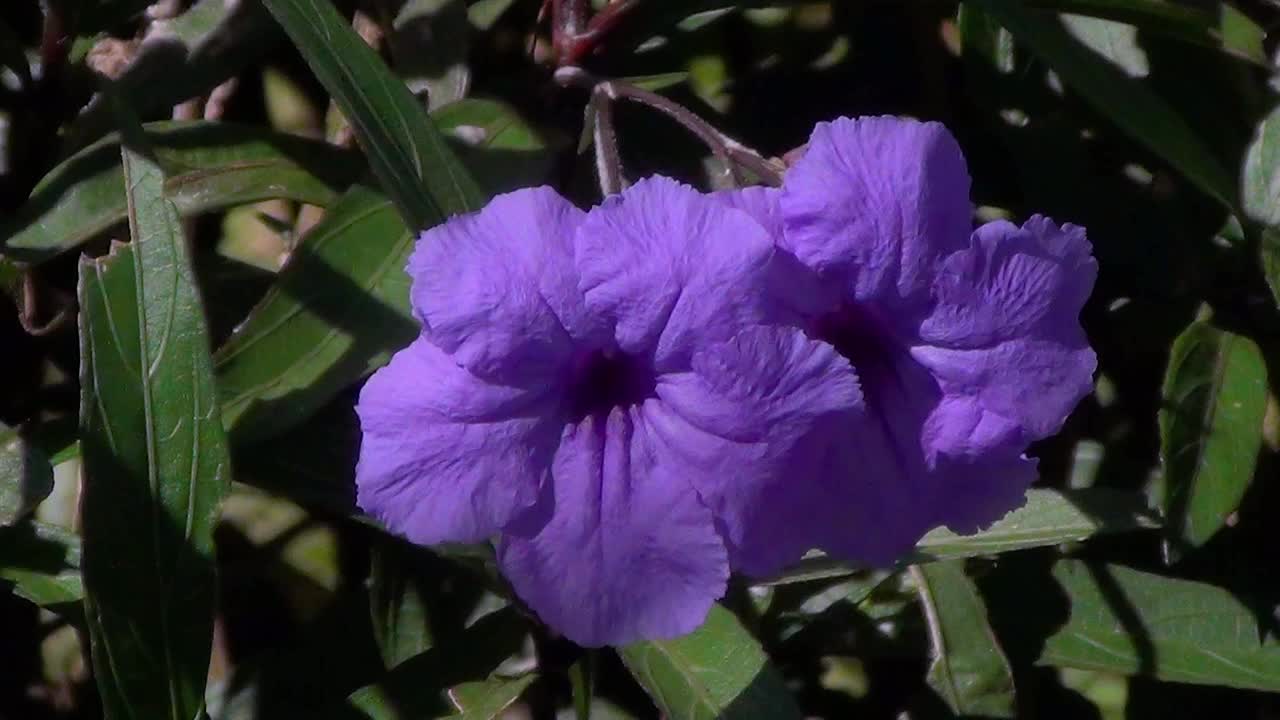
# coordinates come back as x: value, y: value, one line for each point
x: 718, y: 671
x: 26, y: 477
x: 209, y: 166
x: 408, y: 154
x: 1049, y: 517
x: 155, y: 461
x: 502, y: 151
x: 429, y: 43
x: 1214, y: 399
x: 969, y: 670
x: 42, y: 561
x: 417, y: 687
x: 1133, y: 106
x: 180, y: 59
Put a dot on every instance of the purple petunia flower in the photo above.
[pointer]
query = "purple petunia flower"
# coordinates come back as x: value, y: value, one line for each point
x: 967, y: 344
x: 623, y: 398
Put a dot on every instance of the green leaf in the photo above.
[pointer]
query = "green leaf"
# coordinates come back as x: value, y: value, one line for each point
x: 502, y: 151
x: 155, y: 461
x: 1136, y: 623
x: 1261, y: 174
x: 341, y: 305
x: 1133, y: 106
x: 969, y: 670
x: 1049, y: 517
x: 209, y: 166
x: 181, y: 59
x: 1214, y: 399
x: 398, y: 606
x: 42, y: 561
x: 582, y: 679
x: 717, y: 672
x: 488, y: 699
x: 408, y: 154
x: 338, y: 310
x: 26, y: 477
x: 982, y: 37
x: 416, y: 688
x: 1221, y: 27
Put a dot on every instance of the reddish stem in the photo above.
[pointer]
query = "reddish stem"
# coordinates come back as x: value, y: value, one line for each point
x: 586, y: 42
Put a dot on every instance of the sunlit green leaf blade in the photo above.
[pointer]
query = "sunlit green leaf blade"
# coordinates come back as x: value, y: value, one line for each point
x: 341, y: 305
x: 1133, y: 106
x: 209, y: 166
x: 42, y: 562
x: 1214, y: 399
x: 416, y: 168
x: 1135, y: 623
x: 1049, y: 517
x: 26, y: 477
x: 155, y: 461
x: 338, y: 310
x: 969, y: 670
x: 488, y: 699
x: 718, y: 671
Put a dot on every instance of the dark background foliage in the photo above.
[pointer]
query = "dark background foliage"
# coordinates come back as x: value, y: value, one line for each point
x: 274, y: 163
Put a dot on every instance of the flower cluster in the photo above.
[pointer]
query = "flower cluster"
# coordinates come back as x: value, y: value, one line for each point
x: 637, y: 400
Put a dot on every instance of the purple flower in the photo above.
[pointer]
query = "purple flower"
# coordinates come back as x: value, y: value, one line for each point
x: 967, y: 344
x: 615, y: 397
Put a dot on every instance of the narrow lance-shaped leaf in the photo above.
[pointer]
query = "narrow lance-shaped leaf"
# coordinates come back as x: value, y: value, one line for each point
x: 719, y: 672
x: 488, y: 699
x: 969, y: 670
x: 1133, y: 106
x: 1214, y: 399
x: 406, y: 151
x: 209, y: 166
x: 155, y: 461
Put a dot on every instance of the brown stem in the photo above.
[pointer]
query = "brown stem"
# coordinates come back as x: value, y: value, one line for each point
x: 732, y: 153
x: 608, y: 159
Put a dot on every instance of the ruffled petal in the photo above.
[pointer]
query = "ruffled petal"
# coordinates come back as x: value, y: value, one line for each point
x: 673, y: 269
x: 1004, y: 339
x: 445, y: 456
x: 628, y: 554
x: 874, y: 203
x: 752, y: 428
x: 497, y: 290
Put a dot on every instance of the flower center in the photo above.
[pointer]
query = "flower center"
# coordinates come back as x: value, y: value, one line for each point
x: 860, y: 336
x: 604, y: 380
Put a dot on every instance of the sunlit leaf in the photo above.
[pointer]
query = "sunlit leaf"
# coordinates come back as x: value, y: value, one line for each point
x: 969, y: 670
x: 1124, y: 621
x: 42, y: 562
x: 155, y: 461
x: 717, y: 672
x: 408, y: 154
x: 209, y: 166
x: 1214, y: 399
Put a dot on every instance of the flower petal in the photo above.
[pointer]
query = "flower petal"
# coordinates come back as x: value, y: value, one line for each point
x: 1005, y: 332
x: 752, y: 428
x: 875, y: 202
x: 497, y: 289
x: 445, y: 456
x: 627, y: 554
x: 672, y: 268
